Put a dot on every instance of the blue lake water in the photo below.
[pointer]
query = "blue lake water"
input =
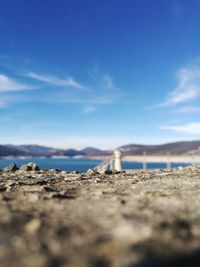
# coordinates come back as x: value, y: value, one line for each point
x: 81, y: 164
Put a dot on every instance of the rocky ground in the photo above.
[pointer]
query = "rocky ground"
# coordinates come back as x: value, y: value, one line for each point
x: 50, y: 218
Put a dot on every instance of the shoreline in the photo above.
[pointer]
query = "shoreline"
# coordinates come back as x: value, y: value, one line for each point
x: 133, y: 158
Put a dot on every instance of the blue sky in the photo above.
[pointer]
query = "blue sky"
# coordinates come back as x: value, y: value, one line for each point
x: 101, y: 73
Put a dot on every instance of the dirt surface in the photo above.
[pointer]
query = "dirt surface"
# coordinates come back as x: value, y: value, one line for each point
x: 58, y: 219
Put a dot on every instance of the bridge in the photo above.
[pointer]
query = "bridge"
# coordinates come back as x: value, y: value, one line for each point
x: 115, y: 161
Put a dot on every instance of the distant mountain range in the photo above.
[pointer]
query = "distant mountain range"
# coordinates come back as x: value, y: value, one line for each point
x: 36, y: 150
x: 177, y: 148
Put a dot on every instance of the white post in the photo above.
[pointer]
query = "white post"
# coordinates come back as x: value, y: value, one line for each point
x: 111, y: 164
x: 193, y: 160
x: 144, y: 161
x: 168, y: 160
x: 117, y: 155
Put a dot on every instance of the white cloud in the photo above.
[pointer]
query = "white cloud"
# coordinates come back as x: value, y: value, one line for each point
x: 188, y: 87
x: 188, y: 128
x: 69, y: 82
x: 9, y: 85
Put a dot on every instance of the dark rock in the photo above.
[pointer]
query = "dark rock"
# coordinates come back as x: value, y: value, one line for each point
x: 8, y: 197
x: 10, y: 168
x: 108, y: 172
x: 3, y: 187
x: 123, y: 201
x: 64, y: 196
x: 49, y: 189
x: 41, y: 182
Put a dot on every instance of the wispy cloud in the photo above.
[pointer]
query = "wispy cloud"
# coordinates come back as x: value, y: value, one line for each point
x: 8, y: 99
x: 5, y: 119
x: 89, y: 109
x: 2, y: 104
x: 101, y: 77
x: 53, y: 80
x: 178, y: 9
x: 188, y: 109
x: 189, y: 128
x: 108, y: 81
x: 99, y: 90
x: 188, y: 87
x: 88, y: 99
x: 9, y: 85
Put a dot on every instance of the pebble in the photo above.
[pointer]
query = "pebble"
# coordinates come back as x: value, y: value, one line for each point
x: 75, y: 172
x: 32, y: 226
x: 55, y: 170
x: 91, y: 172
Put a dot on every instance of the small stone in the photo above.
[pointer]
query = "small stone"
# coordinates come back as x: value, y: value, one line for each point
x: 91, y: 172
x: 32, y: 197
x: 75, y: 172
x: 10, y: 168
x: 32, y: 226
x: 180, y: 169
x: 55, y: 170
x: 114, y: 171
x: 29, y: 167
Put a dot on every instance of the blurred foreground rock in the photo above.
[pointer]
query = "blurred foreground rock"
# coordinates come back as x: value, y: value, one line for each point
x: 29, y: 167
x: 10, y: 168
x: 58, y: 219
